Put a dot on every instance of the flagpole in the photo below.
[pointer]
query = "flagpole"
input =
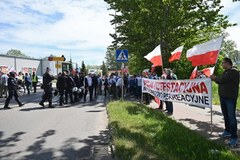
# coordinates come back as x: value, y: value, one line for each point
x: 161, y: 56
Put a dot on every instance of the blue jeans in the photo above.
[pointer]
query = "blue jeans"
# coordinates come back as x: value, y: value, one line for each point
x: 228, y: 107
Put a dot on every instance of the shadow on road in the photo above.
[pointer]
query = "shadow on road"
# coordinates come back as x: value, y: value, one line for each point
x: 38, y: 150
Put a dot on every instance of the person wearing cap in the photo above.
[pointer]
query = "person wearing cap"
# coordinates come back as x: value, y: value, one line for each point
x: 12, y: 90
x: 228, y: 86
x: 47, y: 87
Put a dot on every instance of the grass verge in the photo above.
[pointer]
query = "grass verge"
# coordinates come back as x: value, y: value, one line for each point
x: 140, y: 133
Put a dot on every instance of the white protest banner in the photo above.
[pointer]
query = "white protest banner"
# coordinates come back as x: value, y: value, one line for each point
x: 195, y: 92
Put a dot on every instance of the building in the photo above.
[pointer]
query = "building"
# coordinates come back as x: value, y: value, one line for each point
x: 29, y: 65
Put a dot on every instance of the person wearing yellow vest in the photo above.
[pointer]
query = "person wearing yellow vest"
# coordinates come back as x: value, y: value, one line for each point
x: 34, y: 81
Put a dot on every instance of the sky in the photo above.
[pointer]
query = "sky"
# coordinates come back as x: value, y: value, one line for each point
x: 75, y: 28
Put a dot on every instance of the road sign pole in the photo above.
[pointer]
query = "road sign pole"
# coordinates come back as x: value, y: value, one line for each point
x: 122, y: 79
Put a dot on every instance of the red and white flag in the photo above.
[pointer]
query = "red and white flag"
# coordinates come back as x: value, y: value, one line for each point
x: 208, y: 71
x: 194, y: 73
x: 205, y: 53
x: 155, y: 56
x: 176, y: 54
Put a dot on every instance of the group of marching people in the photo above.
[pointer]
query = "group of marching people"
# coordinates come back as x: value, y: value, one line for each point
x: 75, y: 87
x: 26, y: 81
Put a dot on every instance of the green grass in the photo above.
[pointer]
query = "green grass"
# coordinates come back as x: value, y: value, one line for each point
x: 140, y: 133
x: 215, y: 97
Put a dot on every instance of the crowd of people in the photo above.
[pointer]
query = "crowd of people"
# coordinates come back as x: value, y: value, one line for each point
x: 28, y: 82
x: 77, y: 86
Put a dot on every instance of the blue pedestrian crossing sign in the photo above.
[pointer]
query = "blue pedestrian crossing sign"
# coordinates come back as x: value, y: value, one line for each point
x: 122, y: 55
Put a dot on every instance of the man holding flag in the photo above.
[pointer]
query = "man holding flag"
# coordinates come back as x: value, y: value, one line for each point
x: 228, y: 85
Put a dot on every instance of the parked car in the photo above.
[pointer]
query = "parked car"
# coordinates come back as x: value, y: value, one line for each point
x: 40, y: 80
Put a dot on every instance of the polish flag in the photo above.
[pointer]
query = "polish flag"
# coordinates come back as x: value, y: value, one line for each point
x: 208, y: 71
x: 176, y: 54
x: 194, y: 73
x: 155, y: 56
x: 205, y: 53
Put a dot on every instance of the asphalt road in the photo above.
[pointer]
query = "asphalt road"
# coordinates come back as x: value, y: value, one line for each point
x: 69, y: 132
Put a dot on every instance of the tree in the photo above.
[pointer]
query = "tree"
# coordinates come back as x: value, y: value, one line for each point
x: 83, y: 68
x: 15, y: 52
x: 111, y: 59
x: 104, y: 68
x: 141, y: 25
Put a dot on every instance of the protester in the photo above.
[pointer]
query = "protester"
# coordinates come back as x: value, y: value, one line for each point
x: 169, y: 104
x: 47, y: 87
x: 228, y: 86
x: 200, y: 74
x: 12, y: 89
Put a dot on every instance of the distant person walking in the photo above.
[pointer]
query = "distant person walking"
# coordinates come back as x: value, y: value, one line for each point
x: 61, y: 86
x: 34, y: 81
x: 12, y: 89
x: 228, y: 85
x: 4, y: 85
x: 28, y: 82
x: 47, y: 87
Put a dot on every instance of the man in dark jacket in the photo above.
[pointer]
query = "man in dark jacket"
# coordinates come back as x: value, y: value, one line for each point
x: 81, y: 85
x: 95, y: 84
x: 47, y: 87
x: 61, y: 85
x: 68, y: 89
x: 228, y: 85
x: 12, y: 90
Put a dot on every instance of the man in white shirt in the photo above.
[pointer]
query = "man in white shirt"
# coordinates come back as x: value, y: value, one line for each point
x: 88, y: 86
x: 119, y: 86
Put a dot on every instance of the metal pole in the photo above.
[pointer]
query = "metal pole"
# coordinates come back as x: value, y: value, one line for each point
x: 122, y: 80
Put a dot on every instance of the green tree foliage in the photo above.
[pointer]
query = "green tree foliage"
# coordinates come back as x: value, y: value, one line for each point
x: 83, y: 68
x: 15, y: 52
x: 111, y: 63
x: 104, y: 68
x: 141, y: 25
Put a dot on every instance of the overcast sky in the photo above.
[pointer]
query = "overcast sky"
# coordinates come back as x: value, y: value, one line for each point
x: 79, y: 28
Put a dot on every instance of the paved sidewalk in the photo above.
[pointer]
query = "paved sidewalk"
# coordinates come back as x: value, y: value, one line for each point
x: 199, y: 120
